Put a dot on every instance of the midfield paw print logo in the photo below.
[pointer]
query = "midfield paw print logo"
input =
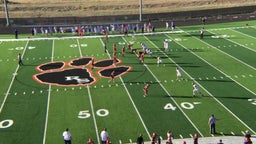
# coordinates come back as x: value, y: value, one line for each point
x: 78, y: 72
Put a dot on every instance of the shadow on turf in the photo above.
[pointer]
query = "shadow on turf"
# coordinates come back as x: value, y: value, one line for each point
x: 214, y: 80
x: 233, y: 97
x: 226, y: 134
x: 176, y: 96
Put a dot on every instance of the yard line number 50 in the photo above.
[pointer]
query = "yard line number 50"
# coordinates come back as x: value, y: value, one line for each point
x: 86, y: 114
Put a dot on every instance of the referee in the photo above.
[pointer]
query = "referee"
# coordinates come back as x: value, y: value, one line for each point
x: 212, y: 121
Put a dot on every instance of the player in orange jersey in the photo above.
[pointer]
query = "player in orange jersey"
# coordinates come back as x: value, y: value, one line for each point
x: 92, y: 63
x: 112, y: 76
x: 123, y: 50
x: 145, y: 89
x: 142, y: 58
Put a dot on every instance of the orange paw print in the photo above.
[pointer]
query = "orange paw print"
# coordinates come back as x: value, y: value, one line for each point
x: 78, y: 72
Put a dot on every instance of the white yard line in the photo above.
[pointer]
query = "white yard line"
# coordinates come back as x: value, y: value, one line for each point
x: 237, y: 43
x: 79, y: 48
x: 244, y: 34
x: 222, y: 51
x: 93, y: 115
x: 48, y: 101
x: 138, y: 113
x: 210, y: 93
x: 91, y: 103
x: 13, y: 78
x: 216, y: 67
x: 168, y: 92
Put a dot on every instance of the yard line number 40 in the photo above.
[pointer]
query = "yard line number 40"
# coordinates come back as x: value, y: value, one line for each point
x: 184, y: 105
x: 86, y: 113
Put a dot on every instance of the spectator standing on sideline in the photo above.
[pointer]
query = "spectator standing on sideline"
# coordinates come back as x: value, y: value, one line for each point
x: 195, y: 138
x: 104, y: 136
x: 220, y: 142
x: 247, y: 138
x: 154, y: 138
x: 212, y: 121
x: 90, y: 141
x: 108, y: 141
x: 169, y: 137
x: 140, y: 139
x: 203, y: 19
x: 67, y: 136
x: 173, y: 25
x: 20, y: 59
x: 16, y: 33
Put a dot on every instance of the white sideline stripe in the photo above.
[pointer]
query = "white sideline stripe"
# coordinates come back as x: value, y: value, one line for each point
x: 120, y: 35
x: 225, y: 75
x: 229, y: 28
x: 128, y: 93
x: 97, y: 36
x: 48, y: 102
x: 243, y: 34
x: 168, y: 92
x: 91, y: 103
x: 237, y: 43
x: 13, y: 77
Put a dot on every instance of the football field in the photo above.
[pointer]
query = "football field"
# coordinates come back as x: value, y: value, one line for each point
x: 57, y: 87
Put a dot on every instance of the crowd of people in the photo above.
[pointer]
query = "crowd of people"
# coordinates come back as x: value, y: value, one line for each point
x: 92, y: 29
x: 155, y: 139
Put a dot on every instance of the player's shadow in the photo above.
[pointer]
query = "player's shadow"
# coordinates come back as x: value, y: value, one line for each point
x: 232, y: 97
x: 214, y: 80
x: 179, y: 96
x: 34, y: 65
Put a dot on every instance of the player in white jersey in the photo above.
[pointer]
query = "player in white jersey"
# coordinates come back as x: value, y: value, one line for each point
x: 166, y: 45
x: 196, y: 89
x: 159, y: 60
x: 178, y: 73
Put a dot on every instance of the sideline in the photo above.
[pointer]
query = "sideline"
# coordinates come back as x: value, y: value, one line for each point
x: 13, y: 77
x: 120, y: 35
x: 211, y: 140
